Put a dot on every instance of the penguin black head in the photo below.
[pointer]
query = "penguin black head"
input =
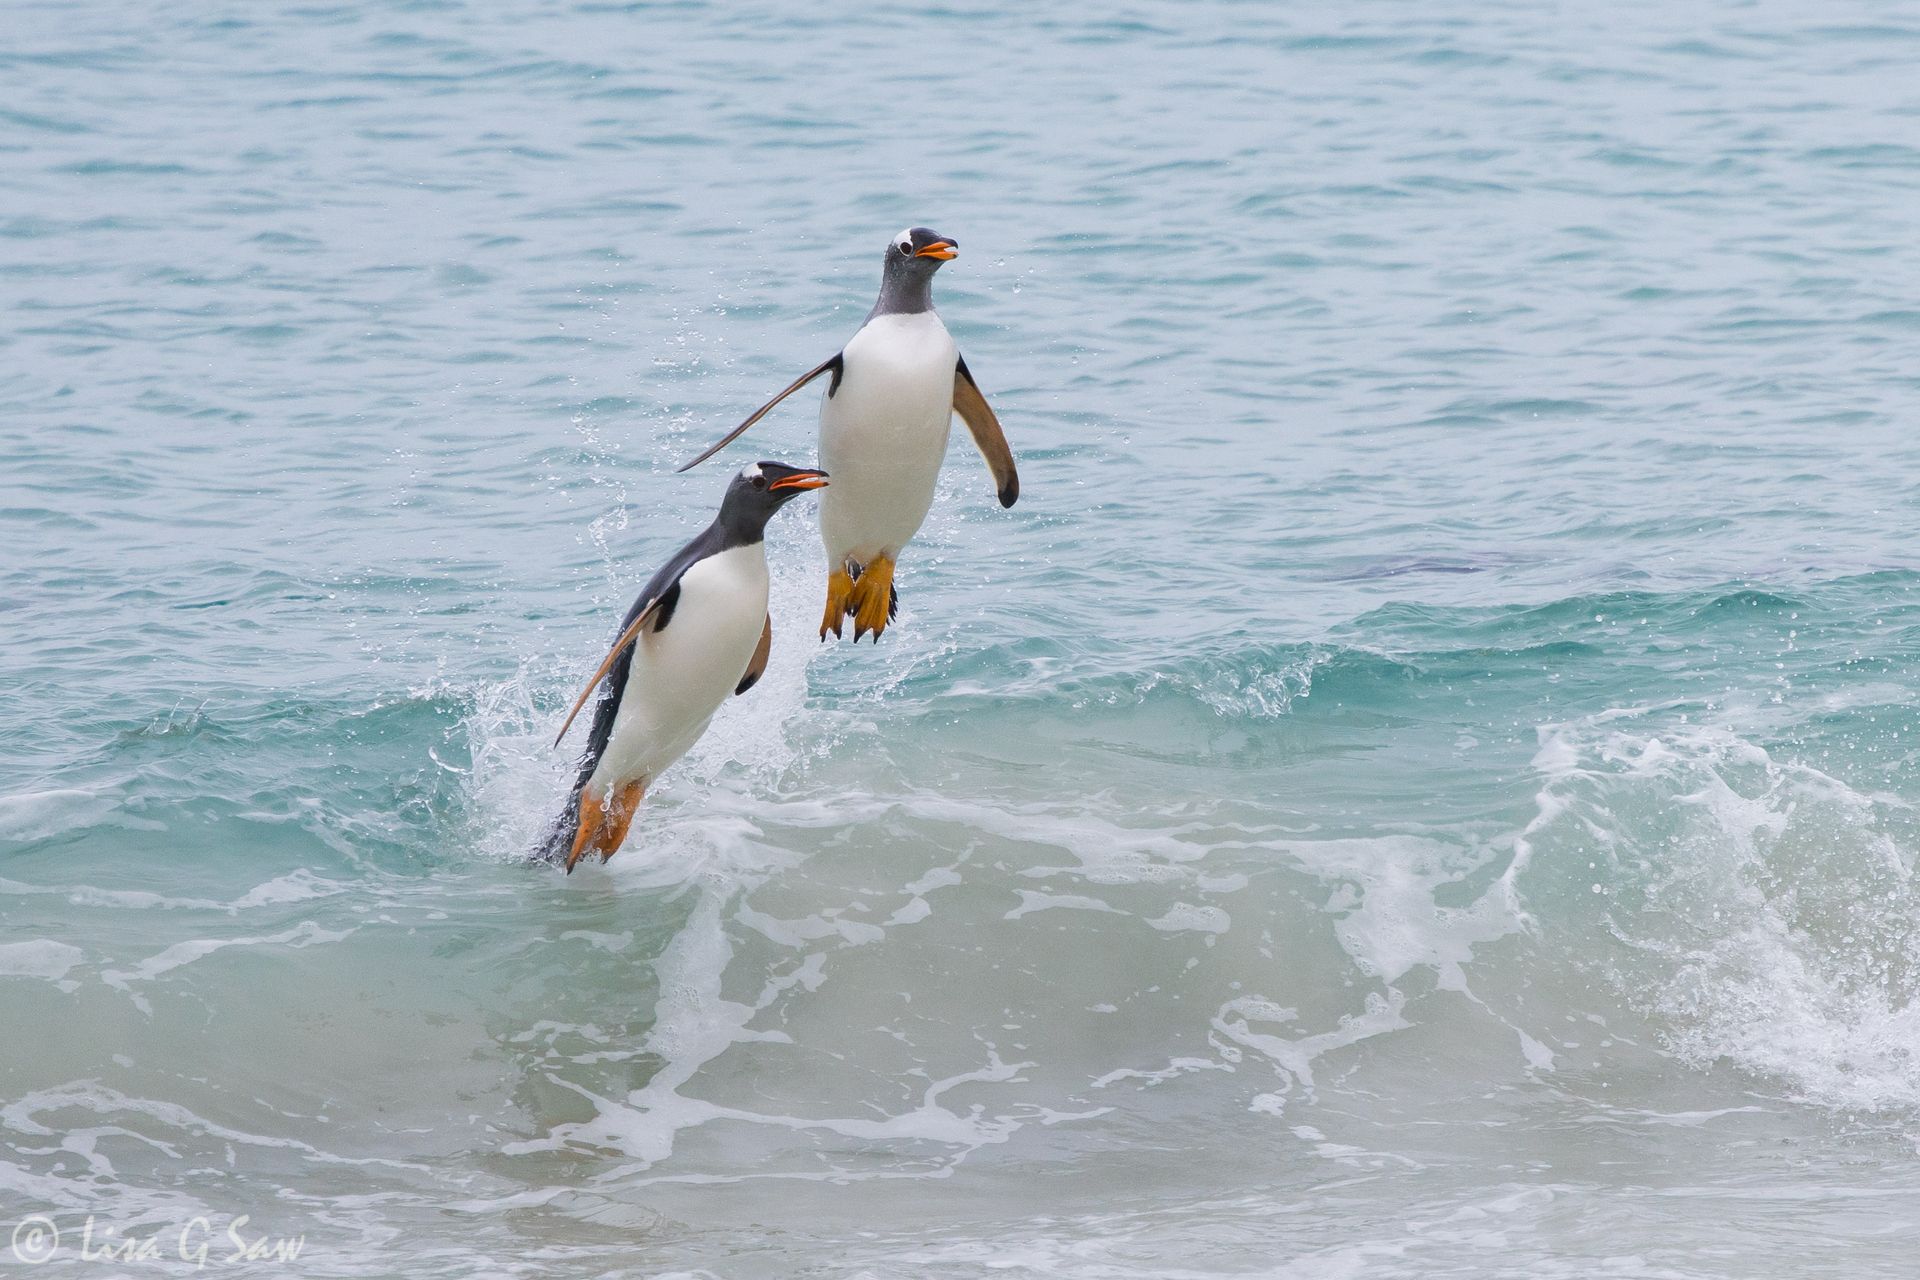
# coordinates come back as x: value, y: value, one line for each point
x: 906, y: 276
x: 924, y: 246
x: 759, y: 491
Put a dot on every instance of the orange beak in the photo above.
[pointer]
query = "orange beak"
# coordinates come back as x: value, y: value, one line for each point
x: 801, y: 480
x: 941, y: 249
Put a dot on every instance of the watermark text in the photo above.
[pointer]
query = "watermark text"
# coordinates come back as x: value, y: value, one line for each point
x: 200, y: 1242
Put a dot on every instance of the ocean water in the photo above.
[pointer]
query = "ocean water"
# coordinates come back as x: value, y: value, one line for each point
x: 1422, y: 785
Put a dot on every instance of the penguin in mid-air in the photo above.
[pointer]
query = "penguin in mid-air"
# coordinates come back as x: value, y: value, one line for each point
x: 890, y: 401
x: 698, y: 632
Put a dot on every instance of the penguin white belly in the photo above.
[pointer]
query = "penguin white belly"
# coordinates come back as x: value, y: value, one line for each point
x: 883, y: 435
x: 678, y: 677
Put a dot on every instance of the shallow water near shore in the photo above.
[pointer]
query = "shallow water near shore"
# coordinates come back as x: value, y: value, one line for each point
x: 1422, y: 784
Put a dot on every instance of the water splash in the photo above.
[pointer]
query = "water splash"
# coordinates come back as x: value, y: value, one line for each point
x: 1761, y: 910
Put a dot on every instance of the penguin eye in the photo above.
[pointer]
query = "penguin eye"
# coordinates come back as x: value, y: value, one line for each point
x: 905, y: 248
x: 759, y: 482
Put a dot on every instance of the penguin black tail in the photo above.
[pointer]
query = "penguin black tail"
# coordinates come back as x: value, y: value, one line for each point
x: 558, y: 842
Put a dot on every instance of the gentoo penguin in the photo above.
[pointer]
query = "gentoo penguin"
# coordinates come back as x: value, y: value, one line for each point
x: 884, y: 422
x: 699, y: 631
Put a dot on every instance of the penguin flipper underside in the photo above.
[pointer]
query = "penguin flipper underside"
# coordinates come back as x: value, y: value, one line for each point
x: 987, y: 435
x: 660, y: 607
x: 832, y: 365
x: 757, y: 667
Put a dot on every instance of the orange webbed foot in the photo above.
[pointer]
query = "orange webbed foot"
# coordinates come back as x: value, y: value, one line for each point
x: 872, y: 602
x: 839, y: 593
x: 604, y: 822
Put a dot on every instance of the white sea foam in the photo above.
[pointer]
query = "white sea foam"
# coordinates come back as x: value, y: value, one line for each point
x: 295, y: 886
x: 1186, y: 917
x: 39, y: 958
x: 305, y: 934
x: 1032, y: 901
x: 28, y: 815
x: 1772, y: 919
x: 1295, y: 1056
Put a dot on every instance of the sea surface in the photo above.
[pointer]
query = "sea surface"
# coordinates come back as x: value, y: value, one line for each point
x: 1422, y: 785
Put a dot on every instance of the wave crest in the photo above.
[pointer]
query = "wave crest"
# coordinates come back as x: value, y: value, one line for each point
x: 1761, y: 912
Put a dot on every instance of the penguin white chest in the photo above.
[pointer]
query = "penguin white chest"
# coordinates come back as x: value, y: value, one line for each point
x: 679, y: 676
x: 883, y: 434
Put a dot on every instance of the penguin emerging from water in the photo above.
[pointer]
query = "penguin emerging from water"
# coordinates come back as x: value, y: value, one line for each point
x: 699, y: 631
x: 884, y: 423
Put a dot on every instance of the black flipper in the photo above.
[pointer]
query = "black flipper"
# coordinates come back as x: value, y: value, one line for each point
x: 669, y: 601
x: 834, y: 365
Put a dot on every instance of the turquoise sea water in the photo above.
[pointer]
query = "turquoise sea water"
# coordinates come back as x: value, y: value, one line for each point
x: 1421, y: 786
